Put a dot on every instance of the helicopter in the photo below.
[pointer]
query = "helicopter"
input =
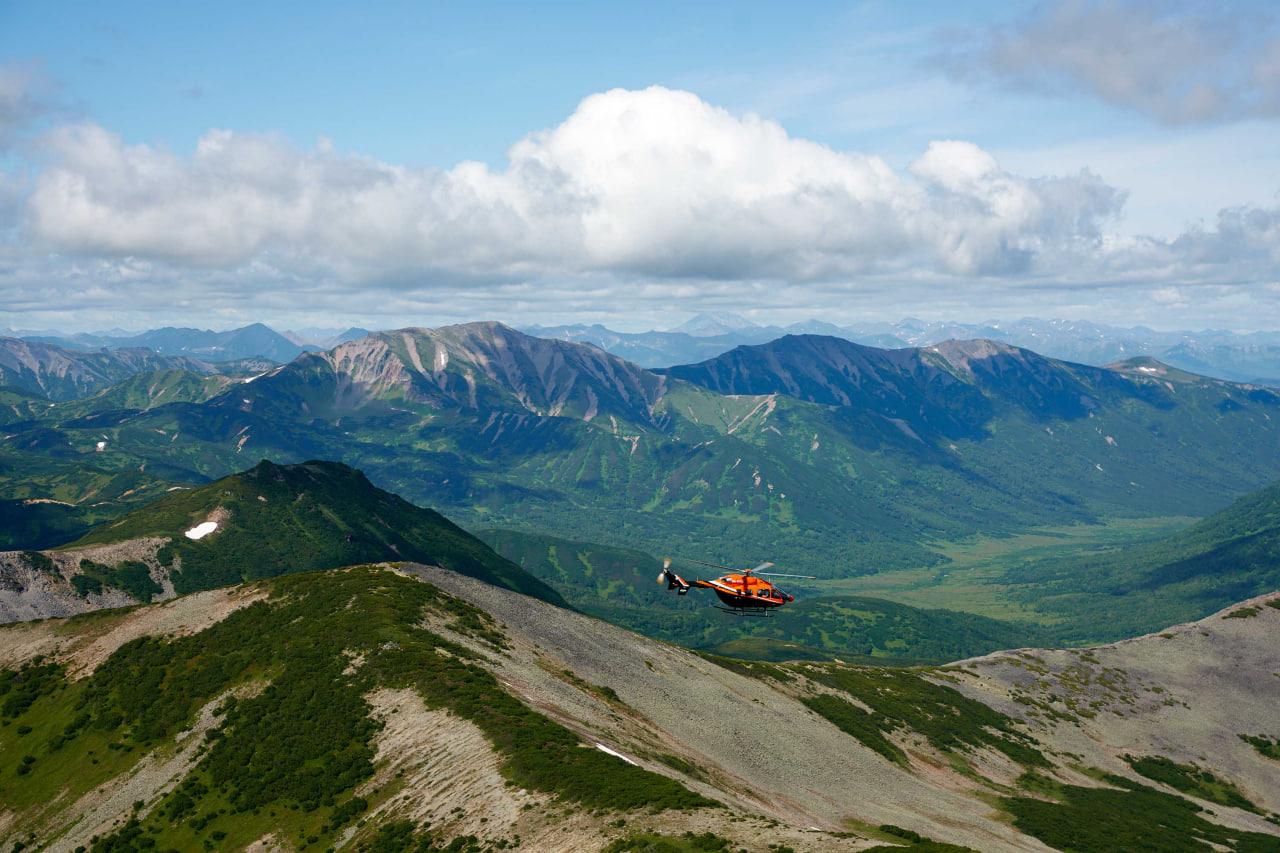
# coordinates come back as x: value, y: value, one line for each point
x: 743, y: 592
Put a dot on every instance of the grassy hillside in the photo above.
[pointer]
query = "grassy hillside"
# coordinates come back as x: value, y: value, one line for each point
x: 148, y: 390
x: 57, y: 483
x: 281, y: 519
x: 418, y: 709
x: 52, y: 499
x: 286, y: 680
x: 1229, y: 556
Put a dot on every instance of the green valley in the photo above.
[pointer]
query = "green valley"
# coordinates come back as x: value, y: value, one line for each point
x: 617, y: 585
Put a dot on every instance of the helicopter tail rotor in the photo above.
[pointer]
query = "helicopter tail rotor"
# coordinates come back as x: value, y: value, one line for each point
x: 673, y: 580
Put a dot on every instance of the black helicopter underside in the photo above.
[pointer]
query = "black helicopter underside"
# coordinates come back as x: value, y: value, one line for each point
x: 747, y: 611
x: 742, y: 605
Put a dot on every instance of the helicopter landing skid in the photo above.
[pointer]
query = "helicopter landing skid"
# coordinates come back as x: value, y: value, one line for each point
x: 742, y: 611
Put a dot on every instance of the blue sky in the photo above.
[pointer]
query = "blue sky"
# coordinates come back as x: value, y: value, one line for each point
x: 632, y: 164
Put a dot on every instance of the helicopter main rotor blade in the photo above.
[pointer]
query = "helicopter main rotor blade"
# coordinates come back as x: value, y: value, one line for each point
x: 780, y: 575
x: 739, y: 571
x: 712, y: 565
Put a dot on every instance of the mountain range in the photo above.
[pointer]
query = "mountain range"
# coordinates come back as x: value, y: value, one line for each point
x: 252, y: 341
x: 1223, y: 354
x: 290, y: 657
x: 817, y: 452
x: 1239, y: 357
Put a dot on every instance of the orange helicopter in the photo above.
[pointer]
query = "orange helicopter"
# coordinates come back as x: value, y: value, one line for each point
x: 743, y: 593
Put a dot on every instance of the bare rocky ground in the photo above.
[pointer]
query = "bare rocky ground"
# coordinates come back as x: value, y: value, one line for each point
x: 787, y: 775
x: 26, y: 593
x: 1186, y: 693
x: 90, y: 643
x: 762, y: 752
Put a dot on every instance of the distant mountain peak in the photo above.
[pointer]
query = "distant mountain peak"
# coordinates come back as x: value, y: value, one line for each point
x: 715, y: 323
x: 470, y: 366
x: 959, y: 353
x: 1147, y: 367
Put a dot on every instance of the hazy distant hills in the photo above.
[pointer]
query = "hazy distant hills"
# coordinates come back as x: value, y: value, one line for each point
x: 656, y: 349
x: 843, y: 459
x: 255, y: 340
x: 1253, y: 357
x: 1240, y: 357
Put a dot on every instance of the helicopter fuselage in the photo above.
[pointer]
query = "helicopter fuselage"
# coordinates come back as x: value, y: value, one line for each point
x: 740, y: 593
x: 748, y: 593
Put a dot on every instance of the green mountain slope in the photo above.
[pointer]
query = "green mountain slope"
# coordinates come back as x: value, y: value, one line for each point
x: 1131, y: 439
x: 282, y: 519
x: 148, y: 390
x: 1229, y: 556
x: 53, y: 493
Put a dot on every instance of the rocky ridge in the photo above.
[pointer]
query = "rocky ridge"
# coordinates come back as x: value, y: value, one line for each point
x: 744, y: 735
x: 37, y: 584
x: 476, y: 365
x: 64, y: 374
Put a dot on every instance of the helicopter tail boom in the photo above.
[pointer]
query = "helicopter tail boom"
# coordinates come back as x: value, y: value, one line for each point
x: 674, y: 581
x: 671, y: 579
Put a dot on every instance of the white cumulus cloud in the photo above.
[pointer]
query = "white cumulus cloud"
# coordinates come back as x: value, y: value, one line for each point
x: 654, y: 182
